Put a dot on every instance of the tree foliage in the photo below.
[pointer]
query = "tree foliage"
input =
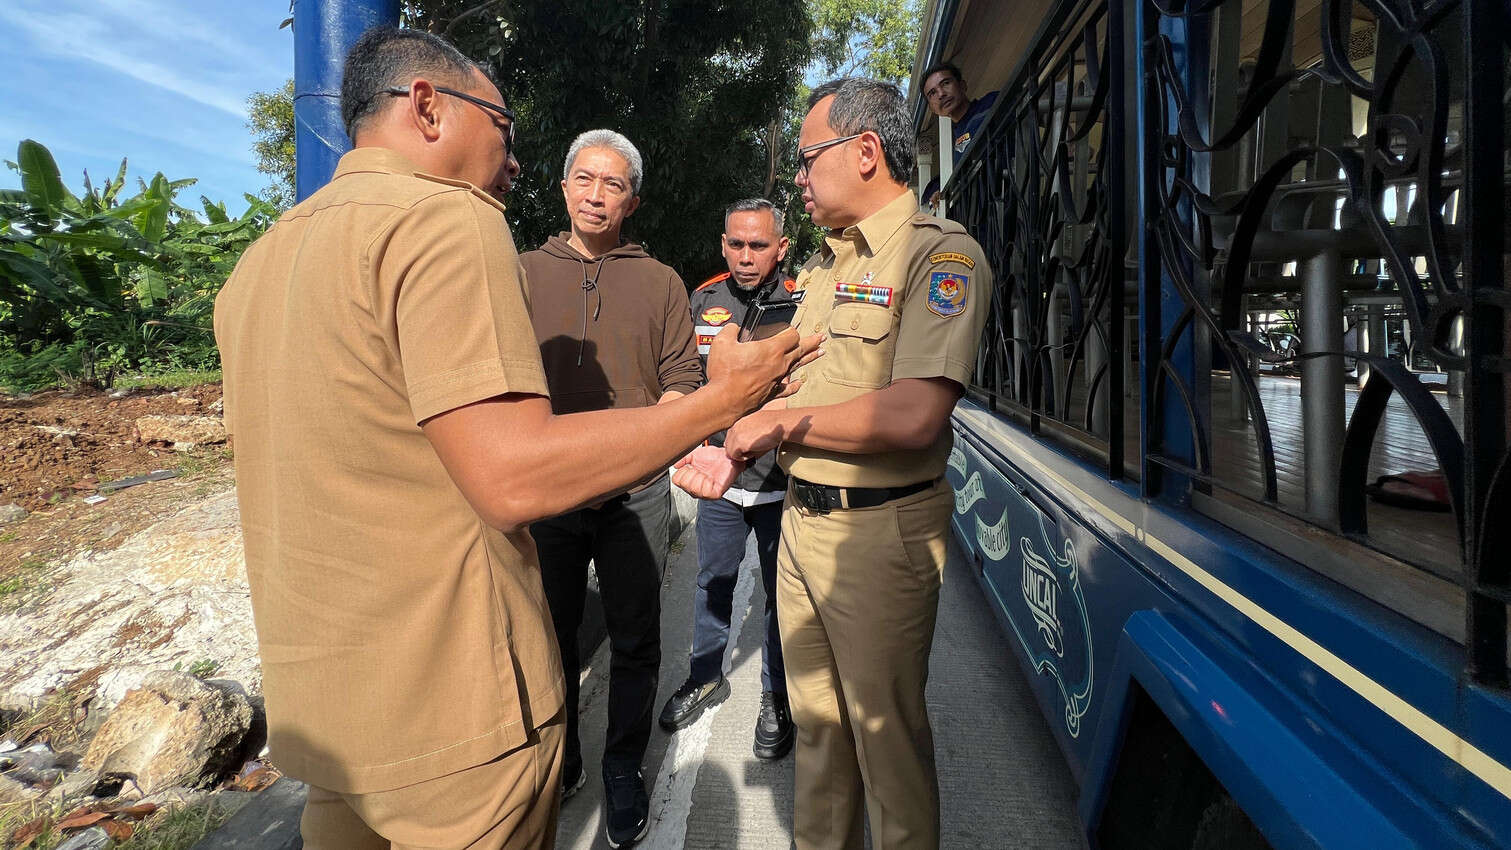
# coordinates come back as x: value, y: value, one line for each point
x: 709, y: 90
x: 872, y: 38
x: 270, y: 117
x: 100, y: 282
x: 702, y: 87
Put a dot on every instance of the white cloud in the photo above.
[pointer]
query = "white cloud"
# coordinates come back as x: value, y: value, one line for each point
x: 81, y: 37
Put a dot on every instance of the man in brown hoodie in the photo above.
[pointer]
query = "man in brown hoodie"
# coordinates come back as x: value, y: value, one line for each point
x: 615, y: 332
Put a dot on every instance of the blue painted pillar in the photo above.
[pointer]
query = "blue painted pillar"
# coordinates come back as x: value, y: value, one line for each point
x: 324, y: 30
x: 1168, y: 431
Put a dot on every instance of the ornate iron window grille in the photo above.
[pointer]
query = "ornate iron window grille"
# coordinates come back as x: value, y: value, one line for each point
x: 1228, y: 197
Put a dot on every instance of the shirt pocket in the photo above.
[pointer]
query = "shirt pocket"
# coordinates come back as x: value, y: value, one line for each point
x: 859, y: 350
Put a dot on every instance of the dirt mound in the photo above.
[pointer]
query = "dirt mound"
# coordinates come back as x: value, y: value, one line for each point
x: 58, y: 444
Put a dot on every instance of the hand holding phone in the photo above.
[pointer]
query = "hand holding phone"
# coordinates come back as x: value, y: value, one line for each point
x: 766, y: 319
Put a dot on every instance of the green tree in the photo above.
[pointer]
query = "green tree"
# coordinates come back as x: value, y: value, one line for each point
x: 698, y: 85
x: 95, y: 283
x: 270, y: 117
x: 872, y: 38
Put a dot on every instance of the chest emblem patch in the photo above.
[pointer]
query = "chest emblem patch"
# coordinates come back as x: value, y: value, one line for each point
x: 715, y: 316
x: 947, y: 293
x: 862, y: 293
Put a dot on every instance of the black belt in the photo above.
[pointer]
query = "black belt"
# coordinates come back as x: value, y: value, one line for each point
x: 823, y: 498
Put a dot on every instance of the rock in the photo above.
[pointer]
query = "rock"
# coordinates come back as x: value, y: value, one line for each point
x: 12, y: 791
x: 176, y: 798
x: 229, y: 803
x: 79, y: 783
x: 37, y: 765
x: 185, y: 447
x: 11, y: 513
x: 187, y: 401
x: 93, y: 838
x: 173, y: 731
x: 217, y: 405
x: 180, y: 429
x: 269, y: 822
x: 111, y: 688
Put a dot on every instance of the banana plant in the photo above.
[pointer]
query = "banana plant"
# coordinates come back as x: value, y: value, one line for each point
x: 125, y: 275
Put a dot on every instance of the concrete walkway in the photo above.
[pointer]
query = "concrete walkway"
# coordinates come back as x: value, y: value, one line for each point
x: 1003, y: 783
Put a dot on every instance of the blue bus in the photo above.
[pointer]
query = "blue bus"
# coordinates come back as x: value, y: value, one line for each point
x: 1260, y: 587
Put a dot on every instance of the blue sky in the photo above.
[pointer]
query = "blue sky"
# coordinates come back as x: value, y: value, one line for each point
x: 162, y: 83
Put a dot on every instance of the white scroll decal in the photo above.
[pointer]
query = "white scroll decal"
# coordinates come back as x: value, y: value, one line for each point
x: 993, y: 539
x: 969, y: 494
x: 957, y: 460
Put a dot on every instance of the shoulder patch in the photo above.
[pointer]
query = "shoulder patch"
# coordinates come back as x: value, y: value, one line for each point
x: 947, y: 291
x: 952, y: 257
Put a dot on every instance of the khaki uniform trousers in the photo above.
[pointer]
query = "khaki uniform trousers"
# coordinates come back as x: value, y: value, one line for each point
x: 857, y: 596
x: 510, y: 803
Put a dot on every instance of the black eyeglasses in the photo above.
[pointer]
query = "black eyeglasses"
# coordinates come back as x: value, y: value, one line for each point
x: 497, y: 109
x: 805, y: 161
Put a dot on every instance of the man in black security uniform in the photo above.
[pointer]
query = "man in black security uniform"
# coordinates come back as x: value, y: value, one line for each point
x: 754, y: 248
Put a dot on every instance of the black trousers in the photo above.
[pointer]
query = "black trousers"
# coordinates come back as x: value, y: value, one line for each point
x: 626, y: 539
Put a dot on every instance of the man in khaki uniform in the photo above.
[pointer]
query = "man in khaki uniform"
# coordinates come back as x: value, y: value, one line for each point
x: 393, y: 438
x: 903, y: 298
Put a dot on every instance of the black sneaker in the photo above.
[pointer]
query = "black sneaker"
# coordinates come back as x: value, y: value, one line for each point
x: 626, y: 809
x: 573, y: 777
x: 684, y: 706
x: 773, y: 732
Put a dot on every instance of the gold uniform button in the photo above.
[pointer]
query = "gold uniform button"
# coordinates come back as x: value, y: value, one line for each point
x: 817, y: 326
x: 854, y: 323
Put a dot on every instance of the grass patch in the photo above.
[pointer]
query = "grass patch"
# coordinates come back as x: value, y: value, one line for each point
x: 202, y: 460
x: 56, y: 720
x: 22, y: 582
x: 175, y: 379
x: 178, y: 828
x: 169, y: 829
x: 13, y: 816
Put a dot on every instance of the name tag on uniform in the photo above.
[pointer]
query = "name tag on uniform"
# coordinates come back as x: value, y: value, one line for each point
x: 862, y: 293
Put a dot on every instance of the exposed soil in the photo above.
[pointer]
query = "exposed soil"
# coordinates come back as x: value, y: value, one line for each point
x: 57, y: 447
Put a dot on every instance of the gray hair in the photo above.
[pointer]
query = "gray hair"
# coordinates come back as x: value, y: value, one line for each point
x: 755, y: 205
x: 615, y: 142
x: 862, y: 104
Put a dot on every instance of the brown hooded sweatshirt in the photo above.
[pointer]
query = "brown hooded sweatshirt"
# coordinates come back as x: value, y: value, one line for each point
x: 614, y: 331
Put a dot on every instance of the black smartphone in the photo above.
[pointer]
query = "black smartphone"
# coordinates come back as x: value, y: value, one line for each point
x: 767, y: 318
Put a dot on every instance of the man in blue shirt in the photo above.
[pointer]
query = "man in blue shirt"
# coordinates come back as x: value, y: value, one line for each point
x: 944, y: 90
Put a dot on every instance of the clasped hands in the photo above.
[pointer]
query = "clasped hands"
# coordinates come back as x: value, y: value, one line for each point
x: 707, y: 471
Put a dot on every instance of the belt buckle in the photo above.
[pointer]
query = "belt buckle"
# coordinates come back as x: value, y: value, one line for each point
x: 810, y: 496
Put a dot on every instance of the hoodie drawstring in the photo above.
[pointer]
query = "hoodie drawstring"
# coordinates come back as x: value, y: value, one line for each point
x: 587, y: 286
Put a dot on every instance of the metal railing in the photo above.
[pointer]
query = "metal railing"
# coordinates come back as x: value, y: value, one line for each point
x: 1259, y: 172
x: 1042, y: 189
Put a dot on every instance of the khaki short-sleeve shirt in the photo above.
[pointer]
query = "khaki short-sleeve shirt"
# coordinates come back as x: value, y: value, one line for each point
x: 401, y: 638
x: 900, y: 295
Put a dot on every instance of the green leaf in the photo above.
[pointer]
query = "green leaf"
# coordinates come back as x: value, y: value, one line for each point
x: 40, y: 178
x: 152, y: 222
x: 32, y: 275
x: 151, y: 287
x: 214, y: 213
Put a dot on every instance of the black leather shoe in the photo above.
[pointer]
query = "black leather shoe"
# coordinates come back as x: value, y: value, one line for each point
x: 773, y: 732
x: 689, y: 700
x: 573, y: 777
x: 626, y: 809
